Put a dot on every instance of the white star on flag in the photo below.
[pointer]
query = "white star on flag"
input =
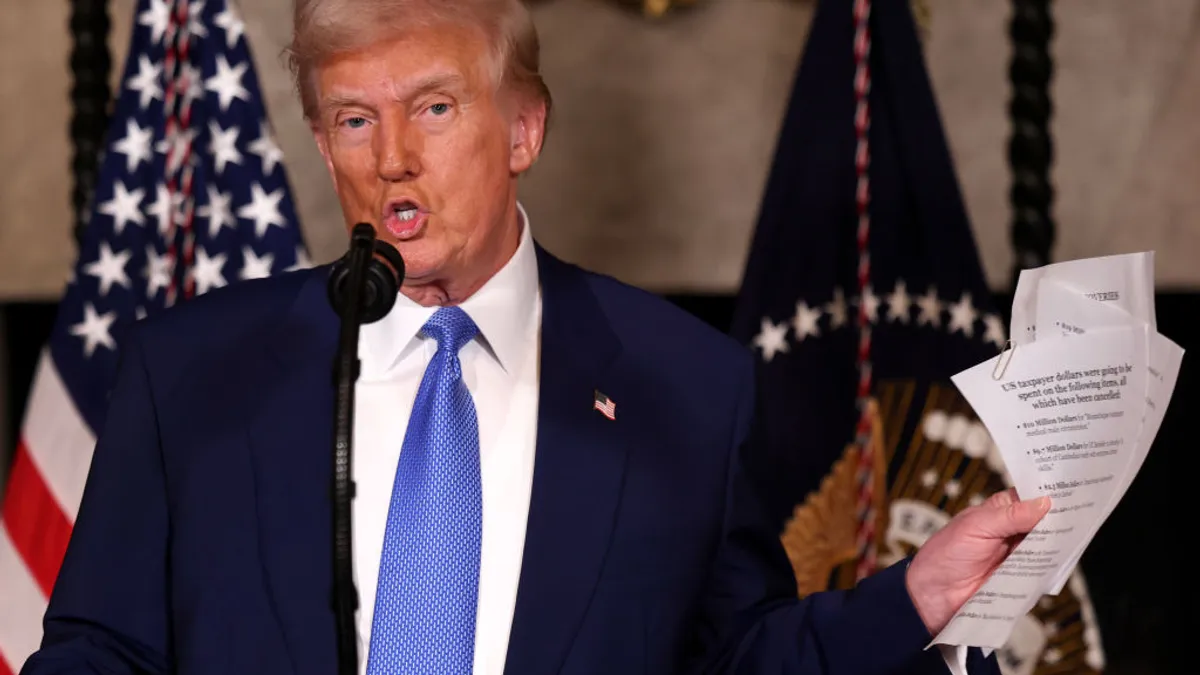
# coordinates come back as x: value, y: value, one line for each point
x: 193, y: 88
x: 899, y: 303
x: 254, y: 266
x: 227, y: 83
x: 263, y: 209
x: 145, y: 83
x: 772, y: 339
x: 805, y: 321
x: 160, y: 209
x: 994, y: 331
x: 124, y: 207
x: 223, y: 144
x: 837, y: 309
x: 135, y: 145
x: 302, y: 260
x: 157, y: 17
x: 206, y: 273
x: 158, y: 271
x: 109, y: 268
x: 195, y: 24
x: 871, y: 304
x: 217, y: 212
x: 94, y: 329
x: 931, y: 309
x: 264, y: 146
x: 962, y: 316
x: 232, y: 24
x: 183, y: 205
x: 176, y: 145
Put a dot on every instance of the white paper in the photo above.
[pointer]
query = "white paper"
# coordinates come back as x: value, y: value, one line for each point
x: 1066, y: 415
x: 1074, y: 408
x: 1059, y: 310
x: 1126, y: 281
x: 1166, y: 357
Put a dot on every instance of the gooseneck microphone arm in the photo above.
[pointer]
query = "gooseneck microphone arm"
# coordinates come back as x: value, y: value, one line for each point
x: 362, y: 289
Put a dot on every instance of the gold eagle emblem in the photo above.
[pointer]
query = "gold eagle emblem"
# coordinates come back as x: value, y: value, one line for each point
x: 819, y: 538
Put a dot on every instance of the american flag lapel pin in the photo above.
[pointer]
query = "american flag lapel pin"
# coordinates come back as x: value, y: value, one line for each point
x: 605, y: 405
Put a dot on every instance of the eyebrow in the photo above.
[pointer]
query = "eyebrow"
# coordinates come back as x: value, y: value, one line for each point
x: 434, y: 82
x: 421, y: 86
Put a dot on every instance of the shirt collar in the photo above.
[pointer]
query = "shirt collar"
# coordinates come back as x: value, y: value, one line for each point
x: 503, y: 309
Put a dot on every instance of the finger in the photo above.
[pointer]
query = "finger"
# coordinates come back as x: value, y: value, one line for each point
x: 1020, y: 517
x: 1003, y: 498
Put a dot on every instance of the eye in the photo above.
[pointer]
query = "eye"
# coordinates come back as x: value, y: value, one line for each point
x: 355, y: 122
x: 439, y: 109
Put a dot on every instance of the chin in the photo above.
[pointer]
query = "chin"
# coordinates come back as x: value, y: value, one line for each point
x: 419, y: 265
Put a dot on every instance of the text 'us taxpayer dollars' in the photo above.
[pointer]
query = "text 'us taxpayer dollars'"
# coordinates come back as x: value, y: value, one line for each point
x: 1073, y: 405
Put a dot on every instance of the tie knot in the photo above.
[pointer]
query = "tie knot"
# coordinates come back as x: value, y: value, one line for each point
x: 451, y: 327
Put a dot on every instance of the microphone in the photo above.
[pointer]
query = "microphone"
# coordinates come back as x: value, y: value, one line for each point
x: 383, y: 276
x: 362, y: 289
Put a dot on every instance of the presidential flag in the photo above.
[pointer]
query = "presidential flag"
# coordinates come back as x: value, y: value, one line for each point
x: 192, y: 195
x: 863, y: 293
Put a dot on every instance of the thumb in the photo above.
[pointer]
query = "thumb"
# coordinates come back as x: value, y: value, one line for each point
x: 1019, y: 517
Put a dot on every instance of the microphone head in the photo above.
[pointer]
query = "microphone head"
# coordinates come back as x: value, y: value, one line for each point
x: 391, y: 258
x: 382, y: 275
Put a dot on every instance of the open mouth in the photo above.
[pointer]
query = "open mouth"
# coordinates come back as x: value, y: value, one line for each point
x: 404, y: 218
x: 405, y: 211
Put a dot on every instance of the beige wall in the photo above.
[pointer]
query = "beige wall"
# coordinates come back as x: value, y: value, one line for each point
x: 664, y: 132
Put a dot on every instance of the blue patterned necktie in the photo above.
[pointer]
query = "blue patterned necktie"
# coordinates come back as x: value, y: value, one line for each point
x: 424, y: 619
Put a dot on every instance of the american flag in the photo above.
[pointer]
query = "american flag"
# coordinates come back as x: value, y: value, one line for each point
x: 192, y: 195
x: 605, y: 405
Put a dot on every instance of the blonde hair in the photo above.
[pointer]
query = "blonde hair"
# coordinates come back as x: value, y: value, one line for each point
x: 324, y: 28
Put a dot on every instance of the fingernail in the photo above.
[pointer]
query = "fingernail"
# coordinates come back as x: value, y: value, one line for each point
x: 1043, y: 503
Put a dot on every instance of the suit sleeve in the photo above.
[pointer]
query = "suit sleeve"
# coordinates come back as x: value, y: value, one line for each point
x: 108, y: 611
x: 753, y: 622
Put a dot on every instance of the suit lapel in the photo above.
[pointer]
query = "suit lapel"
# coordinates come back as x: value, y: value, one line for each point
x: 578, y: 471
x: 291, y: 439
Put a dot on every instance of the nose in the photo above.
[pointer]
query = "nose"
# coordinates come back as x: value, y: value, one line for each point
x: 397, y: 151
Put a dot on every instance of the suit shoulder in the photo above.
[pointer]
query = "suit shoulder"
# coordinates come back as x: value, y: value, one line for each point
x: 649, y: 321
x: 223, y: 313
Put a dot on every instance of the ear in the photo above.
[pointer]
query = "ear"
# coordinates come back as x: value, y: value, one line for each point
x: 527, y: 131
x: 322, y: 140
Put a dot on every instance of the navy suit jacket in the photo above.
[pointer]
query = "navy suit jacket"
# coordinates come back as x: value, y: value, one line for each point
x: 203, y: 541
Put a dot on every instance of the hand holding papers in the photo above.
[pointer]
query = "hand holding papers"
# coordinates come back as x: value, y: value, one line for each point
x: 1073, y: 407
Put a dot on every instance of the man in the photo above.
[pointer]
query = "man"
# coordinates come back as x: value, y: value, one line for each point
x: 555, y: 472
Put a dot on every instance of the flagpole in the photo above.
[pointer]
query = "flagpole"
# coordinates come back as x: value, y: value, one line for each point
x: 1030, y: 146
x: 90, y: 63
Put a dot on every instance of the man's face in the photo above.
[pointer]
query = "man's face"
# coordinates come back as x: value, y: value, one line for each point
x: 421, y: 145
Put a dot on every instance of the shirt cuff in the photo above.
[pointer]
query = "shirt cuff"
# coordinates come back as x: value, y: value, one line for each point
x: 955, y: 658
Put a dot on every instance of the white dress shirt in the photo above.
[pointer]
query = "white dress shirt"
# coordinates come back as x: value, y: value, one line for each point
x: 500, y: 368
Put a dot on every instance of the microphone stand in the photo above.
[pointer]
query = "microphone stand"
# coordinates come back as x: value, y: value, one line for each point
x: 362, y: 289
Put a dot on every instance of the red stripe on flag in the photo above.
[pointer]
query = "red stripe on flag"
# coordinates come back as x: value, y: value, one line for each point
x: 36, y: 523
x: 4, y: 666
